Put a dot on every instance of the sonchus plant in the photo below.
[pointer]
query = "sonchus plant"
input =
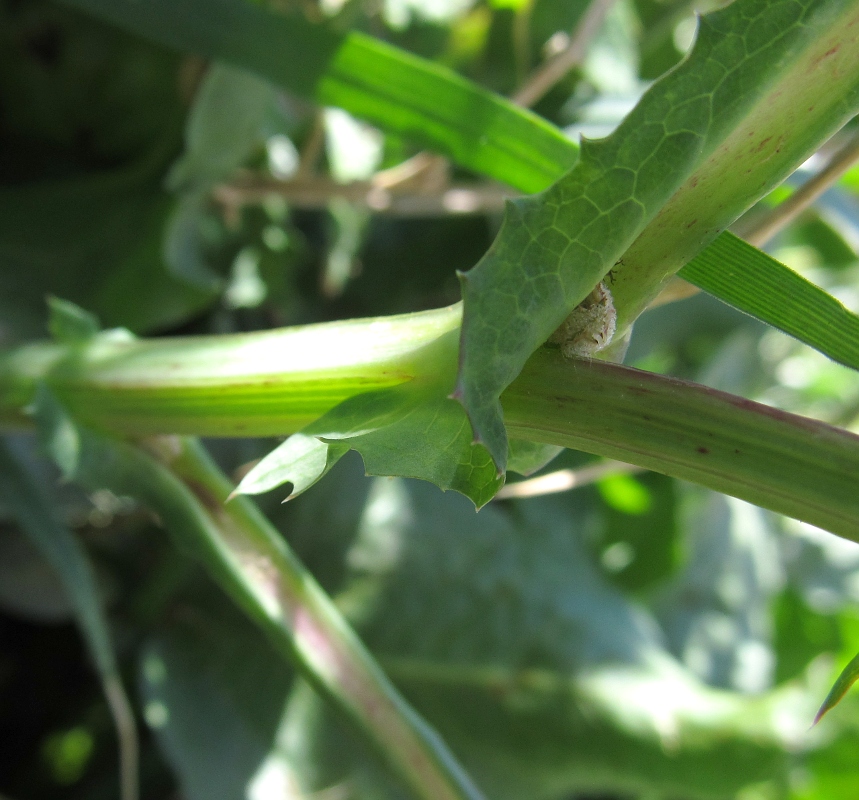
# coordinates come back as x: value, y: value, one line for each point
x: 528, y: 363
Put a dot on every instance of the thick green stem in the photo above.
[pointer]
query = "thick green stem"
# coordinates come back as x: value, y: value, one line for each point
x: 259, y: 384
x: 790, y: 464
x: 276, y: 382
x: 265, y: 577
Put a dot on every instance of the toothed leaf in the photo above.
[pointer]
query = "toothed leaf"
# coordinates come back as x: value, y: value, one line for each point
x: 555, y: 247
x: 301, y: 460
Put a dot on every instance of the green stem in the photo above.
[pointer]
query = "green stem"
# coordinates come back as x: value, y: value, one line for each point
x: 790, y: 464
x: 252, y: 562
x: 274, y: 383
x: 271, y: 583
x: 261, y: 384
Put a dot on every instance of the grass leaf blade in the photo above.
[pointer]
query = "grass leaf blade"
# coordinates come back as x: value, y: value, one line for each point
x: 748, y: 279
x: 845, y: 680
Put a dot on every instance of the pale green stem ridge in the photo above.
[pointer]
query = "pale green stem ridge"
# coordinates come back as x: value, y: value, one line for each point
x: 259, y: 384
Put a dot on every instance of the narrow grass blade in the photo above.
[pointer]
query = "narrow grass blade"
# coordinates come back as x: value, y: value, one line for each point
x: 845, y: 680
x: 34, y: 513
x: 750, y: 280
x: 427, y: 103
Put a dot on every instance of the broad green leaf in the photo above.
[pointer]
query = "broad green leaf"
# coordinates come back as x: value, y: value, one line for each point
x: 548, y: 680
x: 627, y: 201
x: 96, y: 241
x: 437, y: 436
x: 213, y: 691
x: 376, y: 424
x: 432, y: 442
x: 84, y: 221
x: 845, y: 680
x: 727, y: 543
x: 225, y: 125
x: 301, y: 460
x: 38, y: 519
x: 732, y: 270
x: 183, y: 247
x: 317, y: 752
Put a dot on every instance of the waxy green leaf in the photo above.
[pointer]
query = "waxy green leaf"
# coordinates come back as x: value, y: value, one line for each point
x: 438, y: 448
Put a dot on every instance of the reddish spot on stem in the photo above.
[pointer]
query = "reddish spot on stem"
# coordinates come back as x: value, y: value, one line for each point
x: 762, y: 144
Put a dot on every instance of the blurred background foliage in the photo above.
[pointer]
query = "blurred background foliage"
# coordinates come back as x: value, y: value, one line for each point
x: 634, y: 638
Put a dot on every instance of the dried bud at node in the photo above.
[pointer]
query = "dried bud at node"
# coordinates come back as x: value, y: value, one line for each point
x: 590, y: 326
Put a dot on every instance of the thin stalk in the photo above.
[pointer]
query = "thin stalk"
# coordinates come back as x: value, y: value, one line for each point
x: 126, y: 732
x: 563, y: 480
x: 393, y: 200
x: 570, y: 57
x: 252, y: 562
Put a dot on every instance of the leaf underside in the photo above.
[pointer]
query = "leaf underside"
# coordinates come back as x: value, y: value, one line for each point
x: 438, y: 439
x: 553, y: 248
